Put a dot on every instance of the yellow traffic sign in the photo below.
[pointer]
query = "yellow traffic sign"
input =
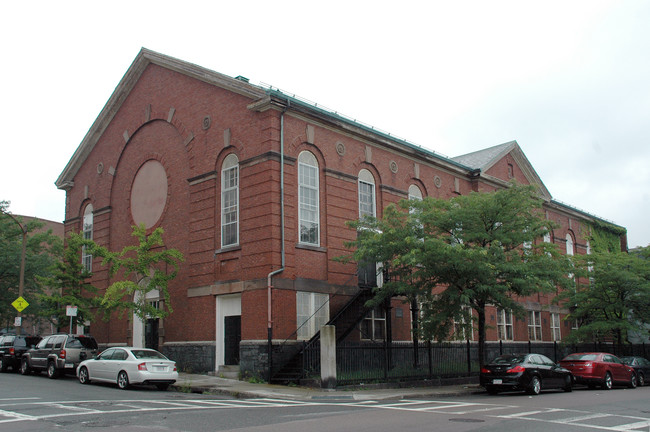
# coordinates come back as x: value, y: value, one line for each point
x: 20, y: 304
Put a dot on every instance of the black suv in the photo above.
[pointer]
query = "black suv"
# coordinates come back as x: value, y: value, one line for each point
x: 60, y: 353
x: 12, y: 348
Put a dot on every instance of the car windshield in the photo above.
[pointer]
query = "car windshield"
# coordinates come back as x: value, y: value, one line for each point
x: 582, y: 357
x: 627, y: 360
x: 148, y: 354
x: 509, y: 359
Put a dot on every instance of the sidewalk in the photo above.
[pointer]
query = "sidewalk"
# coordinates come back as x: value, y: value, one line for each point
x: 194, y: 383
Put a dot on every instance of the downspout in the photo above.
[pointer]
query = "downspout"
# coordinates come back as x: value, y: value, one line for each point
x: 281, y: 269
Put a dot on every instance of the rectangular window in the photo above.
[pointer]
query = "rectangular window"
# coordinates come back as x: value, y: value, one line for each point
x: 366, y: 199
x: 534, y: 325
x: 308, y: 193
x: 373, y: 326
x: 555, y: 327
x: 230, y: 207
x: 461, y: 329
x: 312, y: 312
x: 504, y: 325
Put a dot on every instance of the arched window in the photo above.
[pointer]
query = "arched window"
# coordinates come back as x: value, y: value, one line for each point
x: 230, y: 201
x: 367, y: 205
x: 569, y: 245
x: 308, y: 199
x: 86, y: 257
x: 415, y: 192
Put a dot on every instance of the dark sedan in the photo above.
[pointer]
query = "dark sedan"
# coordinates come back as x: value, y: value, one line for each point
x: 641, y: 367
x: 528, y: 372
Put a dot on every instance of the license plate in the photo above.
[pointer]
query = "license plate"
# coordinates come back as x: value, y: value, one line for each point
x: 69, y: 365
x: 159, y: 368
x: 497, y: 381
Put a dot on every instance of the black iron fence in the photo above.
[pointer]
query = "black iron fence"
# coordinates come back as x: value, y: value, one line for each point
x: 358, y: 363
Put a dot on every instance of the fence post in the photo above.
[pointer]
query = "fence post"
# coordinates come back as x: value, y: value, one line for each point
x: 500, y: 347
x: 555, y: 351
x: 469, y: 359
x: 386, y: 359
x: 529, y: 347
x: 327, y: 357
x: 430, y: 349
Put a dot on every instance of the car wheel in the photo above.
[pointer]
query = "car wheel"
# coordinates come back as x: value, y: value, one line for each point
x: 3, y: 365
x: 123, y: 380
x: 632, y: 383
x: 535, y: 386
x: 568, y: 383
x: 162, y: 386
x: 24, y: 367
x: 52, y: 371
x: 84, y: 376
x: 607, y: 382
x: 640, y: 380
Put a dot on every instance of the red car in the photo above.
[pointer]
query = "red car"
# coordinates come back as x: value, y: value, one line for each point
x: 599, y: 369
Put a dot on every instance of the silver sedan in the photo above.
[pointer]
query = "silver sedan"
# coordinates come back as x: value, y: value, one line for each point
x: 128, y: 365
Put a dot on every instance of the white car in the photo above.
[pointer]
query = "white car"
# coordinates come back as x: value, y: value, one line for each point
x: 128, y: 365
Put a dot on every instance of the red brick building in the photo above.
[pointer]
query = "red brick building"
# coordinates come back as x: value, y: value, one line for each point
x: 254, y: 187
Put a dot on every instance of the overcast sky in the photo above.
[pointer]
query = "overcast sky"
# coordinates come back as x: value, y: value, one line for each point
x: 568, y: 80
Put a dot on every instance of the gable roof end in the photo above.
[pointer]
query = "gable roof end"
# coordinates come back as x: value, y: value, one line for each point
x: 144, y: 58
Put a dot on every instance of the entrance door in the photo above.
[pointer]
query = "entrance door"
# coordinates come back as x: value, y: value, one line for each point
x: 232, y: 337
x: 151, y: 334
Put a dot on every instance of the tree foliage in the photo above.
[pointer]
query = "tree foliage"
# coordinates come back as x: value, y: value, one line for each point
x: 612, y: 296
x: 67, y: 284
x: 142, y: 268
x: 42, y: 249
x: 463, y: 254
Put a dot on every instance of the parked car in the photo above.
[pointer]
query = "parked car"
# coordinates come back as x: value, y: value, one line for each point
x: 528, y: 372
x: 599, y: 369
x: 127, y: 365
x: 641, y: 368
x: 60, y: 353
x: 12, y: 348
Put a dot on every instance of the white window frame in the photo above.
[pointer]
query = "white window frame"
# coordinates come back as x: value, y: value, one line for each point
x: 415, y: 193
x: 556, y: 331
x: 312, y: 312
x: 88, y: 228
x: 460, y: 330
x: 570, y: 250
x: 534, y: 325
x: 367, y: 194
x: 230, y: 201
x: 505, y: 328
x: 374, y: 320
x: 308, y: 199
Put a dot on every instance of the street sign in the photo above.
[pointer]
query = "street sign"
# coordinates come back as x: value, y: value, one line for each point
x: 20, y: 304
x: 18, y: 321
x: 71, y: 311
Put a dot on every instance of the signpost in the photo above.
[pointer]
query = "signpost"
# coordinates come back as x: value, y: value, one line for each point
x: 71, y: 311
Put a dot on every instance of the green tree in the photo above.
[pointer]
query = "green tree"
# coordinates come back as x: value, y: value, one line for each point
x: 143, y: 268
x: 42, y: 249
x: 68, y: 285
x: 463, y: 254
x: 612, y: 295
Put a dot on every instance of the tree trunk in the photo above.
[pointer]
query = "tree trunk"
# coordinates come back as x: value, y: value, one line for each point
x: 480, y: 309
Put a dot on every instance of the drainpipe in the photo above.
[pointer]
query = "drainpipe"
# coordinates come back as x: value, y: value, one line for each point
x: 281, y: 269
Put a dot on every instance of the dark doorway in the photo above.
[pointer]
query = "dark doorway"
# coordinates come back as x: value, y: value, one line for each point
x: 151, y: 334
x: 232, y: 329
